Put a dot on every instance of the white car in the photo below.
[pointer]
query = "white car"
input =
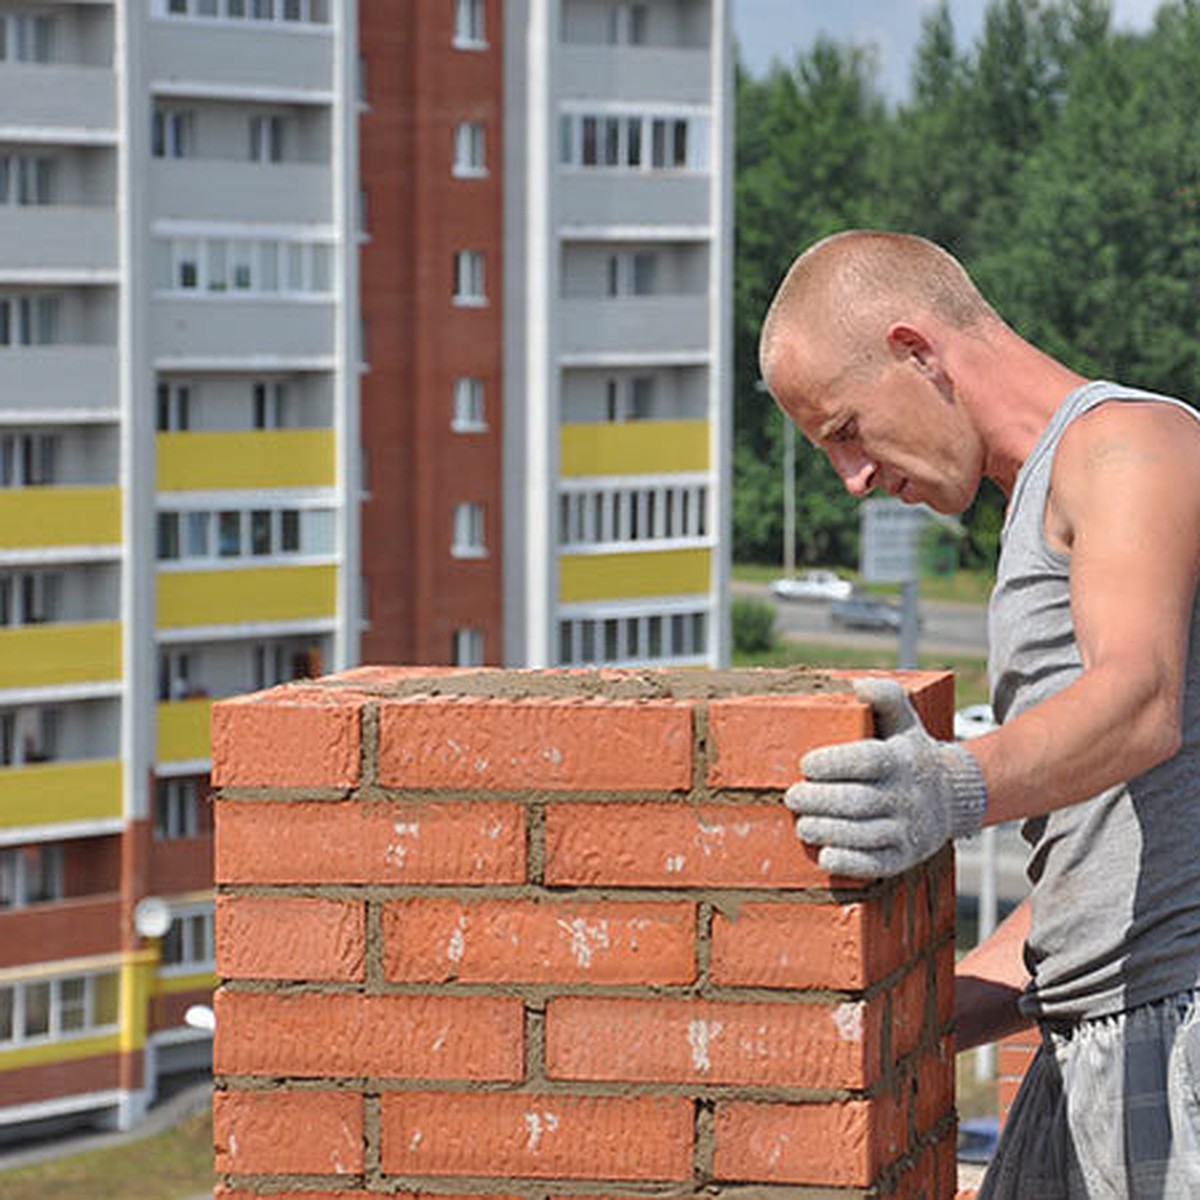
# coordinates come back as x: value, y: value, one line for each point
x: 973, y: 720
x: 811, y: 585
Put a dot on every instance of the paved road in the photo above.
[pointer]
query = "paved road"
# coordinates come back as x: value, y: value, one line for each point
x: 946, y: 628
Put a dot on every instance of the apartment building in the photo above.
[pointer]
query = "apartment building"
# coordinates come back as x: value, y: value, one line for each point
x: 178, y: 509
x: 328, y: 333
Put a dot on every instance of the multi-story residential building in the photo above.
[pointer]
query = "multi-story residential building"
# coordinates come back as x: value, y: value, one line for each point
x: 328, y: 334
x: 178, y: 506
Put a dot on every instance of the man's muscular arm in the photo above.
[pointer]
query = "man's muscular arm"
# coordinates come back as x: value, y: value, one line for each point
x: 1125, y: 505
x: 989, y: 982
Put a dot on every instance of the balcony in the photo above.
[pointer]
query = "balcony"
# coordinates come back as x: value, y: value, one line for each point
x: 58, y: 103
x: 226, y: 329
x: 592, y: 577
x: 635, y: 74
x: 645, y: 328
x: 240, y: 56
x: 183, y: 730
x: 36, y: 379
x: 591, y: 198
x: 634, y: 448
x: 239, y: 597
x: 58, y: 239
x: 299, y: 458
x: 60, y: 793
x: 217, y: 190
x: 76, y: 928
x: 38, y: 656
x: 50, y: 517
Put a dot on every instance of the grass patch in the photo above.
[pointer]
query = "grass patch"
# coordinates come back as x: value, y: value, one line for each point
x: 971, y: 685
x: 169, y: 1166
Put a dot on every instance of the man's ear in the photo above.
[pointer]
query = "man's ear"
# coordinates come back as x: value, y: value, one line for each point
x: 906, y: 342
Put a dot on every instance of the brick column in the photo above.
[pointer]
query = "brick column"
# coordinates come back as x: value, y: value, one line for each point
x: 534, y: 934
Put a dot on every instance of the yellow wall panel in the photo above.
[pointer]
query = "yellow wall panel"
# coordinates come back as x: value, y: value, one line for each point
x: 233, y: 597
x: 59, y: 516
x: 68, y: 1050
x: 634, y: 448
x: 259, y: 458
x: 585, y: 577
x: 48, y: 655
x: 50, y: 793
x: 183, y: 730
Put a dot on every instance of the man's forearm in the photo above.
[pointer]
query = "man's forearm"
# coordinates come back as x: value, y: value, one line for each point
x: 989, y: 981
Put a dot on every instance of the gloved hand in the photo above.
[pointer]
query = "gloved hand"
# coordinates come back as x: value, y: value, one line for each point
x: 879, y: 807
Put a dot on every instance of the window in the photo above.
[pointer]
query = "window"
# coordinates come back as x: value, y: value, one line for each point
x: 167, y: 536
x: 30, y: 598
x: 28, y: 459
x: 267, y: 138
x: 26, y: 38
x: 629, y: 636
x: 469, y: 415
x: 244, y: 265
x: 53, y: 1009
x: 188, y: 944
x: 469, y: 538
x: 181, y: 808
x: 172, y: 133
x: 270, y: 404
x: 199, y: 535
x: 591, y: 516
x: 173, y: 402
x: 469, y: 278
x: 28, y: 320
x: 31, y: 875
x: 470, y: 149
x: 315, y: 12
x: 627, y: 24
x: 175, y: 675
x: 26, y: 179
x: 29, y: 735
x: 642, y: 142
x: 468, y: 647
x: 470, y: 32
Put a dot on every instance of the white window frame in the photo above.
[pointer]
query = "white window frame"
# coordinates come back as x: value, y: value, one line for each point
x: 27, y: 180
x: 29, y: 459
x: 18, y: 993
x: 293, y: 13
x: 269, y: 137
x: 470, y: 412
x: 470, y: 150
x: 196, y: 941
x: 627, y: 514
x: 180, y: 528
x: 270, y: 403
x: 28, y: 320
x: 30, y: 598
x: 468, y: 647
x: 177, y: 802
x: 631, y: 635
x: 172, y: 132
x: 173, y: 405
x: 17, y: 875
x: 623, y: 139
x: 248, y: 267
x: 470, y: 279
x: 470, y: 530
x: 470, y: 25
x: 27, y: 37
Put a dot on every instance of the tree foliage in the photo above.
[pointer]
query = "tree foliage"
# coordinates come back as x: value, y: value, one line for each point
x: 1060, y: 160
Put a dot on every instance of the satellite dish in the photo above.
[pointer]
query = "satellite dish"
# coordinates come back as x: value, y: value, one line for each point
x: 152, y: 917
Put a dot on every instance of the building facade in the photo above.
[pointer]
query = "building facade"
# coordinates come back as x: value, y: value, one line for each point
x: 328, y: 334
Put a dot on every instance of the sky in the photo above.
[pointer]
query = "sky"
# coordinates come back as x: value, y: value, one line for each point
x: 769, y: 29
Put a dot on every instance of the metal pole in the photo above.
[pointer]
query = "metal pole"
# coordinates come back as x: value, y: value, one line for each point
x: 908, y: 625
x: 985, y: 1056
x: 789, y: 496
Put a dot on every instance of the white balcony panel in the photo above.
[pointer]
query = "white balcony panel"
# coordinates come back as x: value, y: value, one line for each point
x: 239, y: 56
x: 635, y: 74
x: 242, y: 330
x: 275, y: 193
x: 646, y: 326
x: 593, y: 199
x: 71, y: 104
x: 58, y: 379
x: 57, y: 241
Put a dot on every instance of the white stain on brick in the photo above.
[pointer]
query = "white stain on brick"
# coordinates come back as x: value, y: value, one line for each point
x: 701, y: 1035
x: 456, y: 947
x: 585, y: 939
x: 777, y: 1150
x: 537, y: 1124
x: 849, y: 1021
x: 415, y: 1141
x: 397, y: 852
x: 553, y: 755
x: 674, y: 864
x: 439, y: 1042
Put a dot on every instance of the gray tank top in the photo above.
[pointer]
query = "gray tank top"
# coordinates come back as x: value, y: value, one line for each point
x: 1116, y: 895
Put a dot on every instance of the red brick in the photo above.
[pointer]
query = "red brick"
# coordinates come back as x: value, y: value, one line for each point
x: 288, y: 737
x: 835, y: 1045
x: 494, y: 941
x: 909, y: 1002
x: 935, y: 1086
x: 845, y: 946
x: 221, y: 1192
x: 932, y: 694
x: 312, y: 1035
x: 833, y: 1143
x: 945, y: 960
x: 536, y: 744
x: 359, y: 842
x: 537, y: 1136
x: 290, y: 937
x: 677, y: 845
x: 288, y: 1133
x: 758, y: 741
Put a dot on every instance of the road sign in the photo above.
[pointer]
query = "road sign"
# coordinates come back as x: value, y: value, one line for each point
x: 890, y: 536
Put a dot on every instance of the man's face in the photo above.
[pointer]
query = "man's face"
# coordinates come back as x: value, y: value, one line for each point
x: 891, y: 427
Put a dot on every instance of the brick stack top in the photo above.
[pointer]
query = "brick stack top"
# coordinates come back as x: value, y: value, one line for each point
x: 551, y: 933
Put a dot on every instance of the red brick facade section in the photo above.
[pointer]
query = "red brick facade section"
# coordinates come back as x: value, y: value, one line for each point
x: 546, y: 927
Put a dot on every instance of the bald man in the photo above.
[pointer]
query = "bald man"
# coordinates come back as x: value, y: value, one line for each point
x: 883, y: 352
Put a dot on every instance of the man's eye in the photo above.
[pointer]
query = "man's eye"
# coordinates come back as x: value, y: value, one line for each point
x: 845, y: 433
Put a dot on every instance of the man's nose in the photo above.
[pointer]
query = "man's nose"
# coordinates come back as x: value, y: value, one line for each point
x: 856, y: 470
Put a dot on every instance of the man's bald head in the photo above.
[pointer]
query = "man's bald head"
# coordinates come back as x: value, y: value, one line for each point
x: 843, y: 294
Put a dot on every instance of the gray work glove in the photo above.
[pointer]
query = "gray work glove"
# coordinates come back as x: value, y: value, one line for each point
x: 879, y: 807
